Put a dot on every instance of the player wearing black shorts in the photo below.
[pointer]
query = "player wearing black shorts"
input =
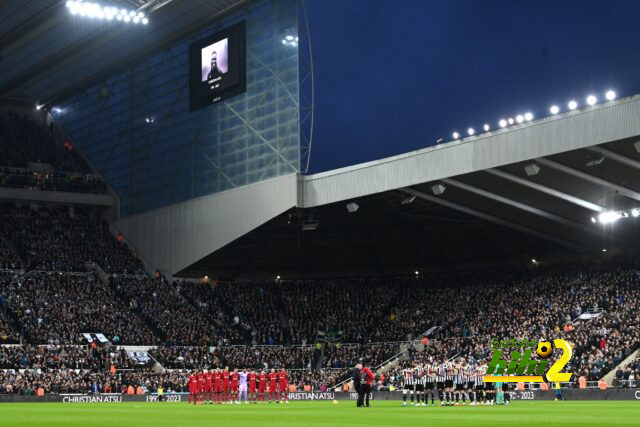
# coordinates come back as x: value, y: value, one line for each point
x: 430, y: 384
x: 419, y: 375
x: 408, y: 385
x: 448, y: 384
x: 440, y: 379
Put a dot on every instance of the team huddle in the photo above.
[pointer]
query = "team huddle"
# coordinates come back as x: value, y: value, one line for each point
x: 225, y: 387
x: 454, y: 384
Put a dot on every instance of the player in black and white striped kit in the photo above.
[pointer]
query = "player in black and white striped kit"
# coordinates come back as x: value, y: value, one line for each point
x: 420, y: 378
x: 429, y: 384
x: 460, y: 382
x: 470, y: 373
x: 408, y: 385
x: 440, y: 382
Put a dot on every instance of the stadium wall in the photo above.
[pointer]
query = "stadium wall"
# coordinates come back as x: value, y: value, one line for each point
x: 174, y: 237
x: 182, y: 155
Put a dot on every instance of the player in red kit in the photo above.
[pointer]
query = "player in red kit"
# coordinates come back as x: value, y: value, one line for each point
x: 208, y: 385
x: 252, y: 387
x: 283, y: 383
x: 273, y: 377
x: 217, y: 384
x: 225, y: 385
x: 262, y: 386
x: 192, y: 384
x: 200, y: 378
x: 234, y: 386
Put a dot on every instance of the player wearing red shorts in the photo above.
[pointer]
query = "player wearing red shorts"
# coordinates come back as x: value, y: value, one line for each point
x: 234, y: 386
x: 262, y: 386
x: 252, y: 387
x: 225, y: 385
x: 192, y: 384
x: 208, y: 385
x: 217, y: 385
x: 273, y: 392
x: 200, y: 391
x: 283, y: 383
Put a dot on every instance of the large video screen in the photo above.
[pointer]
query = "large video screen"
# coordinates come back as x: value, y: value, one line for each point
x: 217, y: 67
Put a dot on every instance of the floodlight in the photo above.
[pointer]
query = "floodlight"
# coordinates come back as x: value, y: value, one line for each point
x: 503, y: 123
x: 456, y: 135
x: 591, y: 100
x: 511, y: 121
x: 528, y: 116
x: 554, y: 109
x: 471, y: 131
x: 609, y: 217
x: 519, y: 118
x: 486, y: 127
x: 572, y: 105
x: 610, y: 95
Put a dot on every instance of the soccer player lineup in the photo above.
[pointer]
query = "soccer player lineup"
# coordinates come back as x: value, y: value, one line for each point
x: 221, y: 386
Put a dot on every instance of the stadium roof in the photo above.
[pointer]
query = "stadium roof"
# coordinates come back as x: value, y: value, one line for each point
x: 527, y: 191
x: 46, y: 53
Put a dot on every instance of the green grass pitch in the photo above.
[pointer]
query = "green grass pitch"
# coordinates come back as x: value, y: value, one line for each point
x: 321, y: 413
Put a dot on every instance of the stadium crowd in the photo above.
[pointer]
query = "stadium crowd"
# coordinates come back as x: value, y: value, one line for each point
x: 24, y: 142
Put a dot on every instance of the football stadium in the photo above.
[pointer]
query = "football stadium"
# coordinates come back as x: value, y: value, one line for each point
x: 213, y: 212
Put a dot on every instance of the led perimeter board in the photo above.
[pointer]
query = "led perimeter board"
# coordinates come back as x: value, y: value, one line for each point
x: 217, y: 67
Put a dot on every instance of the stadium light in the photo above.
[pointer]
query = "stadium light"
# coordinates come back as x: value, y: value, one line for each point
x: 604, y: 249
x: 635, y: 212
x: 528, y: 116
x: 471, y: 131
x: 511, y: 121
x: 455, y: 135
x: 97, y: 11
x: 39, y: 107
x: 277, y: 277
x: 593, y: 220
x: 591, y: 100
x: 533, y: 260
x: 417, y: 272
x: 554, y: 109
x: 610, y: 95
x: 503, y: 123
x: 572, y: 105
x: 609, y: 217
x: 486, y: 127
x: 519, y: 118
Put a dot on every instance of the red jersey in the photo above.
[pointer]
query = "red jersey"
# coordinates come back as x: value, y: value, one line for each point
x: 191, y: 383
x: 252, y: 381
x: 208, y: 380
x: 234, y: 378
x: 272, y: 378
x: 225, y: 377
x: 217, y: 377
x: 262, y: 381
x: 370, y: 376
x: 200, y: 378
x: 282, y: 377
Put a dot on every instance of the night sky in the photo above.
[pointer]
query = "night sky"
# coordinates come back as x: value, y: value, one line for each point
x: 394, y: 76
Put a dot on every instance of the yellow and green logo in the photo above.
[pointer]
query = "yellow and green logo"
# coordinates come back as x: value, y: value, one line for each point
x: 520, y: 363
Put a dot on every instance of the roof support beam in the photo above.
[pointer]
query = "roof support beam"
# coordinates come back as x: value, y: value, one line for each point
x: 491, y: 218
x: 547, y: 190
x: 589, y: 178
x: 522, y: 206
x: 616, y: 157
